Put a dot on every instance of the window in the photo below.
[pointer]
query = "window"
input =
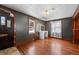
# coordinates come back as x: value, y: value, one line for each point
x: 56, y: 29
x: 31, y: 26
x: 3, y: 20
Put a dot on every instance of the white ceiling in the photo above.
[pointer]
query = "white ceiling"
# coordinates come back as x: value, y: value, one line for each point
x: 56, y: 11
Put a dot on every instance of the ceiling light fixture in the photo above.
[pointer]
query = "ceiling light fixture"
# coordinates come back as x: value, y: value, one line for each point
x: 46, y: 12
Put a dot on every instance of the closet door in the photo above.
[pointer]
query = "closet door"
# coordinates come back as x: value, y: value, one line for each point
x: 6, y: 30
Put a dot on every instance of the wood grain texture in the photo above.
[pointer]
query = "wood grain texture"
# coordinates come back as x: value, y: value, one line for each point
x: 76, y: 27
x: 49, y: 46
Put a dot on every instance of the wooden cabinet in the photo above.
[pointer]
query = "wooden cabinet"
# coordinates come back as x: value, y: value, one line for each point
x: 6, y: 30
x: 76, y: 27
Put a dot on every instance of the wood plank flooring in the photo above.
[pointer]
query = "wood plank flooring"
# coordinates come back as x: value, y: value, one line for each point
x: 49, y: 46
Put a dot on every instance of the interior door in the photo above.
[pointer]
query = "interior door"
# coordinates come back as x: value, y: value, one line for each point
x: 6, y: 30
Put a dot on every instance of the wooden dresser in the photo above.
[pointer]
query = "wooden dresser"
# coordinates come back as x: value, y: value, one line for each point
x: 76, y: 27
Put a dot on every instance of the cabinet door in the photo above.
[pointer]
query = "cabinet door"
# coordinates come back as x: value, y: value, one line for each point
x: 76, y: 29
x: 76, y: 36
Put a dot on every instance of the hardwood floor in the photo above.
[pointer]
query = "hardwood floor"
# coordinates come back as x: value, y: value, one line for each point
x: 49, y: 46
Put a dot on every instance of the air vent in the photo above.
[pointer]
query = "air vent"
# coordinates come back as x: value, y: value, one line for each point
x: 44, y: 18
x: 53, y: 8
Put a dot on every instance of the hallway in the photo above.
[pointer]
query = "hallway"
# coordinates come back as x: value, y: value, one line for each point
x: 49, y: 46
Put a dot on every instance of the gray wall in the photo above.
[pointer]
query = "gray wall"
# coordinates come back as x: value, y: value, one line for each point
x: 66, y: 27
x: 22, y: 29
x: 21, y: 26
x: 48, y: 27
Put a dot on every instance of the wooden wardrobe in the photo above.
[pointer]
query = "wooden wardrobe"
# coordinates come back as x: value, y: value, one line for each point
x: 76, y: 27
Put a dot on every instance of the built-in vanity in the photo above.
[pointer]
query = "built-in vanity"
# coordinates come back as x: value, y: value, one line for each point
x: 43, y: 34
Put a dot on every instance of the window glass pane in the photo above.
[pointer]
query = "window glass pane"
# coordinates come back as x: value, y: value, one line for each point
x: 3, y: 20
x: 56, y: 28
x: 9, y: 23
